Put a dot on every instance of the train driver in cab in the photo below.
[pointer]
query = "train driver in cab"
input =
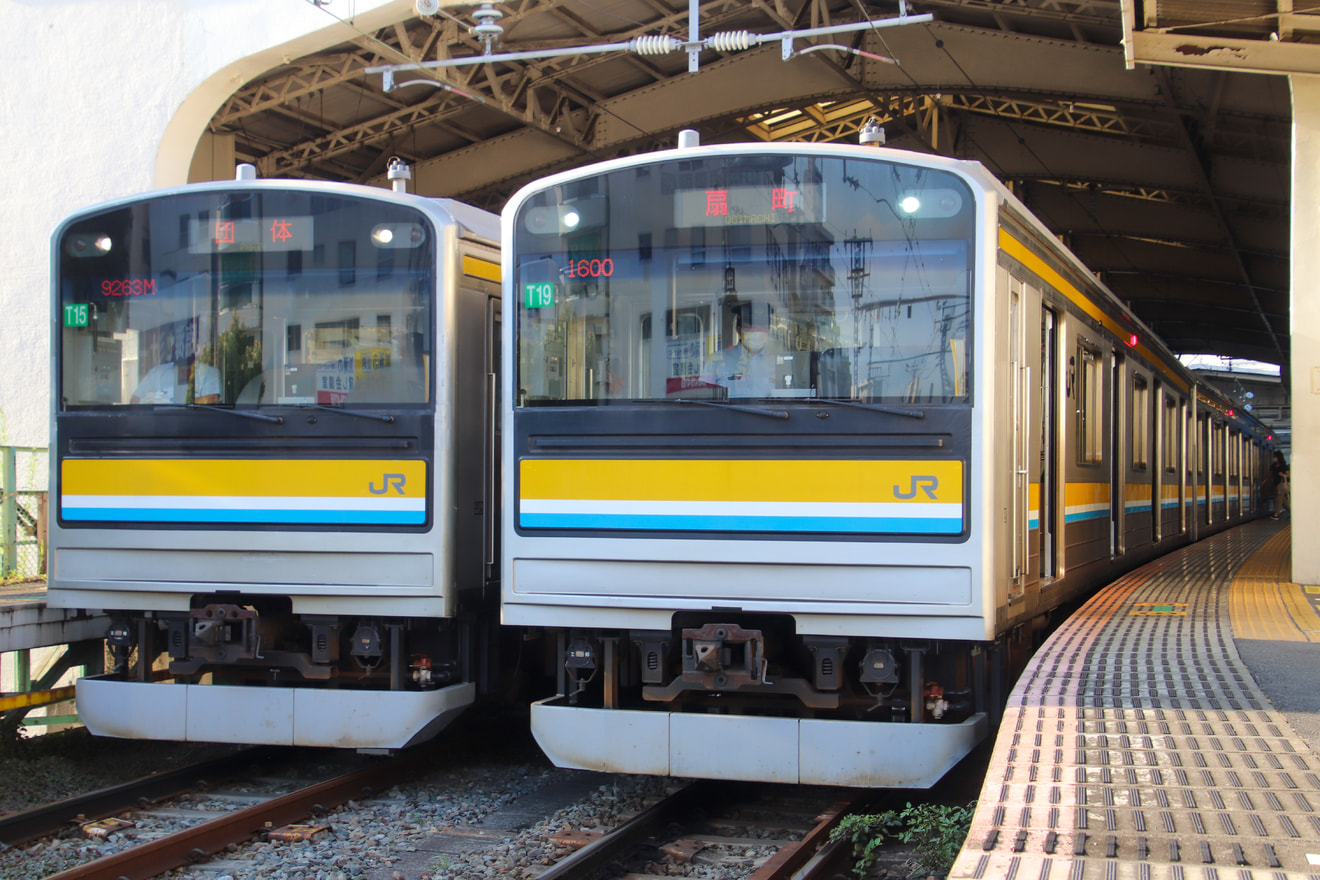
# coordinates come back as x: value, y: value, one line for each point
x: 748, y: 368
x: 177, y: 379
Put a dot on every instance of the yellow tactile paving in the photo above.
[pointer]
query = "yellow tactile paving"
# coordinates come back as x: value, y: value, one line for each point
x: 1265, y: 604
x: 1137, y: 745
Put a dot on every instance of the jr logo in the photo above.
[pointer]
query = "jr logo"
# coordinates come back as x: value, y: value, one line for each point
x: 925, y: 484
x: 388, y: 481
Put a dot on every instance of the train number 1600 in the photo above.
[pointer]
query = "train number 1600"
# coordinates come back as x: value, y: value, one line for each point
x: 591, y: 268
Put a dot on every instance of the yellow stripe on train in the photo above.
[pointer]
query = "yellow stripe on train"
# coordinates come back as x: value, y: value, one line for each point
x: 341, y: 478
x: 742, y: 480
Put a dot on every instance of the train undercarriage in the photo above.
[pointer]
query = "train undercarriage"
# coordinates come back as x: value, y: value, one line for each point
x: 746, y: 697
x: 248, y: 670
x: 758, y: 665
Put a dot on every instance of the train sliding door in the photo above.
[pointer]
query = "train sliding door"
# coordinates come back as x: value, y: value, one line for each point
x: 1020, y: 433
x: 1118, y: 456
x: 1048, y: 466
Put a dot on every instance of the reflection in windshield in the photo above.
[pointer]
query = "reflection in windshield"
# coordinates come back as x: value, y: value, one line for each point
x: 751, y: 277
x: 245, y: 299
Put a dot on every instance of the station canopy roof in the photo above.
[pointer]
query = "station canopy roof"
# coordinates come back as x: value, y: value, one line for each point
x: 1170, y: 182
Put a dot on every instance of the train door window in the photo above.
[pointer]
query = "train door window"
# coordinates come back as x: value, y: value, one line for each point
x: 1090, y: 409
x: 1169, y: 436
x: 1140, y: 422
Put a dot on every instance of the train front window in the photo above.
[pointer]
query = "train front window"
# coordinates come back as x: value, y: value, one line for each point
x: 247, y: 298
x: 761, y: 276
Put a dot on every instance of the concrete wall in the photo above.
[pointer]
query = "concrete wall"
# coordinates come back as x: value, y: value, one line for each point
x: 105, y: 99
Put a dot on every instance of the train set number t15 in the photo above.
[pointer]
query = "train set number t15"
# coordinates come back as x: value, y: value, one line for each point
x: 76, y: 315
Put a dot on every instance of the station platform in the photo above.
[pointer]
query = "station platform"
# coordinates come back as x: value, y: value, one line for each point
x: 1169, y: 729
x: 26, y: 622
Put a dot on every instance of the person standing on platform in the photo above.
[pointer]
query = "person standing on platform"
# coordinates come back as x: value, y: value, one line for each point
x: 1279, y: 477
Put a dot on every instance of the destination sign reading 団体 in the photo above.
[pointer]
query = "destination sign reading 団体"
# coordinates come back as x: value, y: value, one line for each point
x: 276, y: 233
x: 749, y: 205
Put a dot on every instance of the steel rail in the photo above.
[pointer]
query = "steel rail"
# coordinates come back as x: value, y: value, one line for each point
x: 811, y: 856
x: 48, y: 819
x: 603, y: 850
x: 810, y: 853
x: 176, y: 850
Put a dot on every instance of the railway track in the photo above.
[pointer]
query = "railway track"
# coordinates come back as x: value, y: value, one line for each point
x: 760, y: 832
x: 50, y: 819
x: 231, y: 817
x: 451, y: 813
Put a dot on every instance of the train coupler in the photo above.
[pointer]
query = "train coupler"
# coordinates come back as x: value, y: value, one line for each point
x: 724, y: 656
x: 220, y: 634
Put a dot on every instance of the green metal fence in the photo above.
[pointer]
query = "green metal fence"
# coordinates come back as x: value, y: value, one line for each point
x: 23, y: 496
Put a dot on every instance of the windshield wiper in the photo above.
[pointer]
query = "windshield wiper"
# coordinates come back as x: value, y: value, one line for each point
x: 241, y: 413
x: 355, y: 413
x: 771, y: 413
x: 874, y: 407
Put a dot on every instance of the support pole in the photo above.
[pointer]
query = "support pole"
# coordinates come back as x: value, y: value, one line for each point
x: 8, y: 512
x: 1305, y: 308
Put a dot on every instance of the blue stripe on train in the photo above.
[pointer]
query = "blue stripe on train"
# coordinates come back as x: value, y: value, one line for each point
x: 859, y: 525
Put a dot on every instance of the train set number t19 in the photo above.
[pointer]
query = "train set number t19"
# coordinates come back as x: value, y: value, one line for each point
x: 538, y: 295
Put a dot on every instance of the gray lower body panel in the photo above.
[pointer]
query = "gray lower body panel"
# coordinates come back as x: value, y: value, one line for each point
x: 350, y: 719
x: 873, y: 754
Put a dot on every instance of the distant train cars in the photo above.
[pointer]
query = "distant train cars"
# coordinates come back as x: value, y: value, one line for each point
x: 273, y: 460
x: 801, y: 440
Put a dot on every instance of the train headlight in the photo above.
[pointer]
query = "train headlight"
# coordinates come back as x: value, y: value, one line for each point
x: 398, y: 235
x: 95, y: 245
x: 930, y: 204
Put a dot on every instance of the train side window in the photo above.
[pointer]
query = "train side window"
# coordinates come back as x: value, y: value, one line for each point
x: 1140, y: 423
x: 1234, y: 452
x: 1090, y: 413
x: 1169, y: 436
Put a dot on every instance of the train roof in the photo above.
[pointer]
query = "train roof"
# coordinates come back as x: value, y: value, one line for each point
x: 472, y: 222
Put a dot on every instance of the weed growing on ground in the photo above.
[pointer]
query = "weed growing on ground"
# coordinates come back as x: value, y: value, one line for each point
x: 936, y: 833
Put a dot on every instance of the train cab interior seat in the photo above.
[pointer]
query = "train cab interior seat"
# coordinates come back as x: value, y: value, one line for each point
x: 251, y: 393
x: 400, y: 383
x: 834, y: 373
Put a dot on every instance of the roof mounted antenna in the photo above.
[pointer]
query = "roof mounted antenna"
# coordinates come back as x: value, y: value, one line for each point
x: 399, y: 174
x: 871, y: 133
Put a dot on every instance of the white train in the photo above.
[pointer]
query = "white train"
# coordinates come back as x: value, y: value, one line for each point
x: 802, y: 442
x: 273, y: 461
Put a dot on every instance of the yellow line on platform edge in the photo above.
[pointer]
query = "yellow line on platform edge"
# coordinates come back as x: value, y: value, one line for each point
x: 36, y: 698
x: 1263, y: 604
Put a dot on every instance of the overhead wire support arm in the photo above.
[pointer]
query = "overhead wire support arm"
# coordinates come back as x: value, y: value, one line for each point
x: 655, y: 44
